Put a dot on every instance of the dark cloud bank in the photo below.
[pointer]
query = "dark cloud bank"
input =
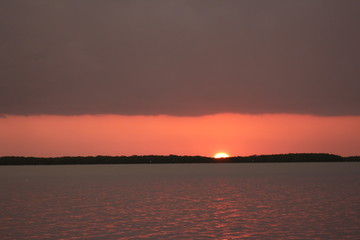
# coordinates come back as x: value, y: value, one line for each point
x: 180, y: 57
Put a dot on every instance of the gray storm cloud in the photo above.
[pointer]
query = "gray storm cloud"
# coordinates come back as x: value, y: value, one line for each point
x: 179, y: 57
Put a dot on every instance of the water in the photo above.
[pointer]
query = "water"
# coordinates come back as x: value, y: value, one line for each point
x: 181, y: 201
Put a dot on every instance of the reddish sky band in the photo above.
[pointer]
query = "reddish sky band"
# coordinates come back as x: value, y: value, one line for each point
x: 235, y: 134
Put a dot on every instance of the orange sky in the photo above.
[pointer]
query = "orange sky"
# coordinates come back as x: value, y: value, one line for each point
x: 141, y: 135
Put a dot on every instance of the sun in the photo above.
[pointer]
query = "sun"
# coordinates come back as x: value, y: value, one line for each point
x: 221, y: 155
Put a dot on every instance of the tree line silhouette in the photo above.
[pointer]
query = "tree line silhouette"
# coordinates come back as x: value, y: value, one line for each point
x: 156, y: 159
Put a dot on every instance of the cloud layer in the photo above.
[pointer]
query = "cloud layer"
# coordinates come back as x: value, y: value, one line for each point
x: 179, y: 57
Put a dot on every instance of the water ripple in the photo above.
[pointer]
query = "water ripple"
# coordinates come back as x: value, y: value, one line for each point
x: 193, y: 206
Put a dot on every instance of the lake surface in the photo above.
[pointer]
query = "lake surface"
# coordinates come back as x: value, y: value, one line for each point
x: 181, y: 201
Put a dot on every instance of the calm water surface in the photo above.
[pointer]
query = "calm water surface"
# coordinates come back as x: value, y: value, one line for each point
x: 181, y: 201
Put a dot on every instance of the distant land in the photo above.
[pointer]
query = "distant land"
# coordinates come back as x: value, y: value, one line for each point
x: 158, y: 159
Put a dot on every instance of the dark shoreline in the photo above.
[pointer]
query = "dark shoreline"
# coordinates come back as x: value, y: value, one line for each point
x: 158, y: 159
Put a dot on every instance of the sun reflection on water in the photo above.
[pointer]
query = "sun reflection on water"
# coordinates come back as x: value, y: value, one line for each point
x: 226, y: 204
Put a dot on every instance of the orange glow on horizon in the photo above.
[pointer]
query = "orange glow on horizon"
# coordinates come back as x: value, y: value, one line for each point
x: 221, y: 155
x: 239, y: 134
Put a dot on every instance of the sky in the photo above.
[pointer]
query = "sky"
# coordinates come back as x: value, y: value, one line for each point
x: 93, y: 77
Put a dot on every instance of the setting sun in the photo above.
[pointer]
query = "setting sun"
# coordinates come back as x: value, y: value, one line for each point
x: 221, y: 155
